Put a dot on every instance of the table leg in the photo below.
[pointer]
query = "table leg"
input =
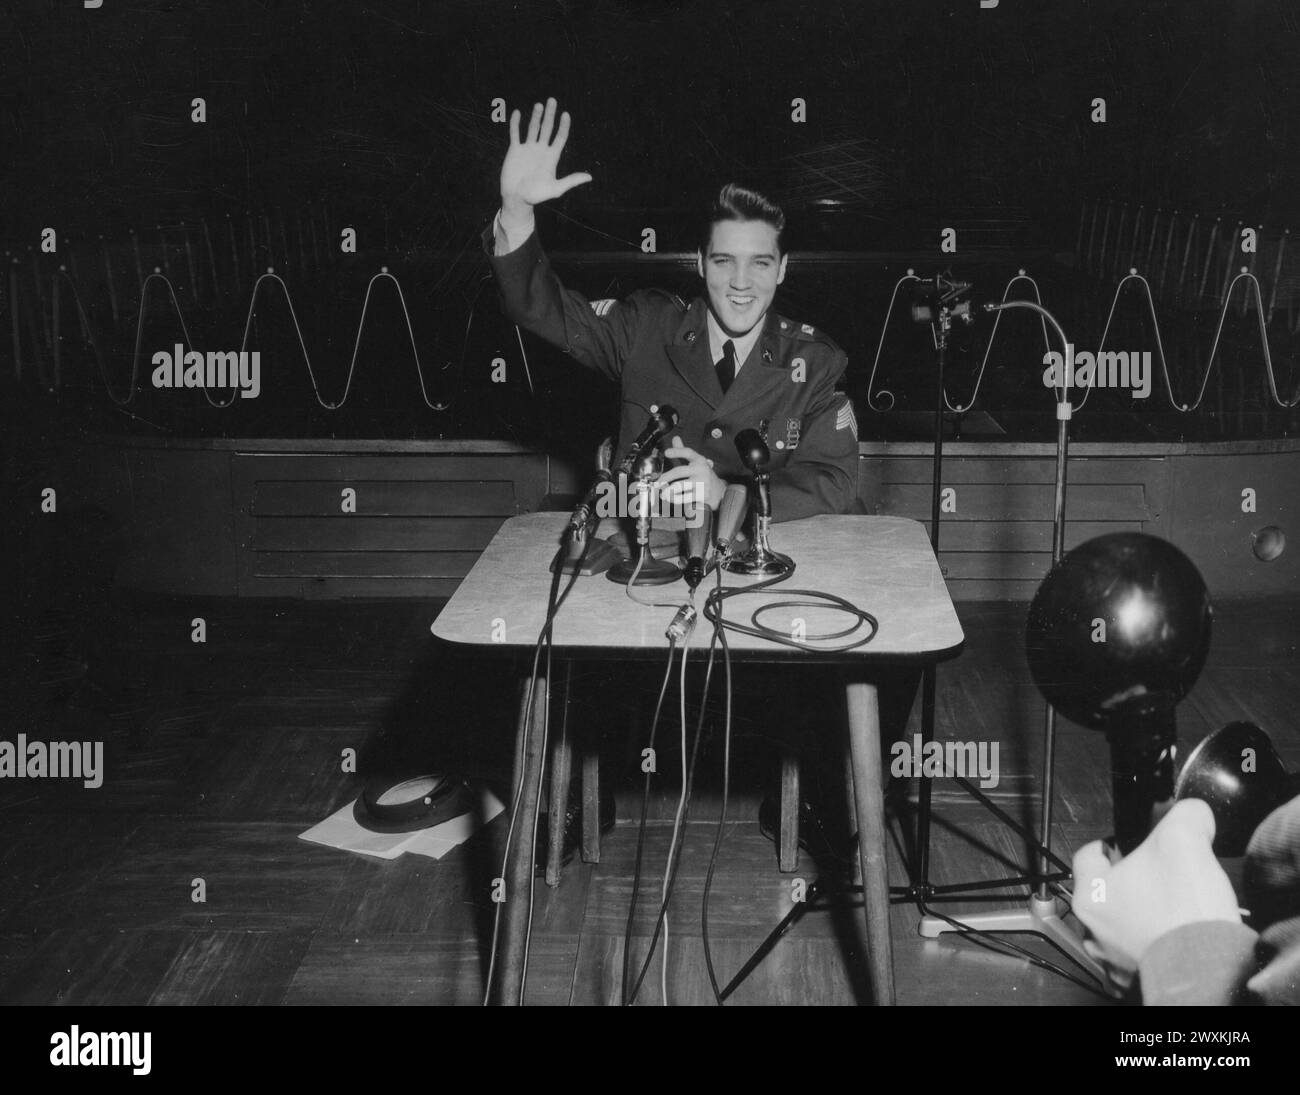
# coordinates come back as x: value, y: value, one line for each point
x: 561, y: 776
x: 519, y: 862
x: 590, y: 804
x: 788, y: 831
x: 869, y: 808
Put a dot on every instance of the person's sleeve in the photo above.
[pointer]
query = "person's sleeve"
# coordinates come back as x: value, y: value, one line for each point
x: 1208, y: 963
x: 1278, y: 983
x: 822, y: 474
x: 597, y: 334
x: 1271, y: 889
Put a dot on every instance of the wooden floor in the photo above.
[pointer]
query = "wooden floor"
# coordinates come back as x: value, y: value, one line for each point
x: 219, y: 755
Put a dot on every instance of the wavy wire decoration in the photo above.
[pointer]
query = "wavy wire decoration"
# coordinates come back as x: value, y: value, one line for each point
x: 1133, y: 275
x: 46, y: 327
x: 270, y: 275
x: 1286, y: 404
x: 979, y: 377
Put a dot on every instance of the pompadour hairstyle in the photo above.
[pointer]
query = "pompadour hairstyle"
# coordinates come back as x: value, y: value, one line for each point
x: 738, y: 203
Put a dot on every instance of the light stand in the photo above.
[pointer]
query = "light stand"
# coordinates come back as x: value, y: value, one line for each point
x: 1044, y: 912
x: 940, y: 311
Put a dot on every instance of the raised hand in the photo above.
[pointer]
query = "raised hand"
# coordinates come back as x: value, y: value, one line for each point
x: 528, y: 174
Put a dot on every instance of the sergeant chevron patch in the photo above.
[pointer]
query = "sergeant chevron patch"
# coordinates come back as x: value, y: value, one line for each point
x: 845, y: 420
x: 600, y: 307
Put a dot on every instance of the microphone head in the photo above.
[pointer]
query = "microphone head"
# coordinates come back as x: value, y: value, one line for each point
x: 649, y: 465
x: 753, y: 450
x: 731, y: 512
x: 665, y: 419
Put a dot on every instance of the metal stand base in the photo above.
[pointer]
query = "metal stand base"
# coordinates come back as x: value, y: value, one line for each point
x: 755, y: 561
x: 586, y: 558
x: 1041, y: 916
x: 654, y: 572
x: 759, y: 558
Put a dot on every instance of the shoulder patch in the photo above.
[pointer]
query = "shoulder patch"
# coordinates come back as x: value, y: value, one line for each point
x: 602, y: 307
x: 805, y: 332
x: 845, y: 418
x: 650, y: 299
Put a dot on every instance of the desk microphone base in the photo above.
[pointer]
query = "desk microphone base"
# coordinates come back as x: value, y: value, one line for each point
x: 654, y: 572
x: 600, y: 556
x: 765, y: 563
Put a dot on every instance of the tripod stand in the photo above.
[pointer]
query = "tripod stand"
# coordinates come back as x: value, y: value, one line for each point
x: 1043, y: 914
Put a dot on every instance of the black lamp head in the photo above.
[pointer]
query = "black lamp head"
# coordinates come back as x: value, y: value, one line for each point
x: 1239, y: 773
x: 1118, y: 631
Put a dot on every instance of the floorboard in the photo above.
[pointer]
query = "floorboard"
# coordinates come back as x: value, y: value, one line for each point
x: 218, y: 756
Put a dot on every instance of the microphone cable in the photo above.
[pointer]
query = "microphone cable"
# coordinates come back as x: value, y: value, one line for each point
x: 674, y: 859
x: 719, y: 636
x: 818, y: 599
x: 640, y: 840
x: 555, y: 599
x: 713, y: 611
x: 665, y: 888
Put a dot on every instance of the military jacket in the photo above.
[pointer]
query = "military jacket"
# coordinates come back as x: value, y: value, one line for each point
x: 656, y: 346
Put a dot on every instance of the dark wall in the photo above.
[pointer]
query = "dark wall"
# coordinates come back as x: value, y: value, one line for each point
x: 913, y: 108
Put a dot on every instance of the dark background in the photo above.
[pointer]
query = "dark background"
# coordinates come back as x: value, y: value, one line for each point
x: 377, y: 116
x: 915, y: 110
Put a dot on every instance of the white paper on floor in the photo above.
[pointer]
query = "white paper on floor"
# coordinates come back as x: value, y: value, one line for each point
x: 340, y: 830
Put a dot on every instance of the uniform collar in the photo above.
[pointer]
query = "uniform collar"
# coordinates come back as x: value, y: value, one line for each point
x: 744, y: 344
x: 696, y: 331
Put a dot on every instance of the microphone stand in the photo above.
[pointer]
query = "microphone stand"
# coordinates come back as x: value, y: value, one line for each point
x: 583, y: 554
x: 759, y: 558
x: 1044, y: 912
x: 643, y: 569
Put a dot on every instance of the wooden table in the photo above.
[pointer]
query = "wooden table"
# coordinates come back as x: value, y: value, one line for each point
x: 882, y: 564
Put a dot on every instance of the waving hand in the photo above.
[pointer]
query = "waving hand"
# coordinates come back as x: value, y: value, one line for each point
x: 528, y: 175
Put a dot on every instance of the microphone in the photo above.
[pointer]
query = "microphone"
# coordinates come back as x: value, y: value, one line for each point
x: 584, y: 512
x: 753, y: 450
x: 759, y: 558
x: 647, y: 469
x: 697, y: 545
x: 581, y: 553
x: 662, y: 419
x: 940, y: 284
x: 731, y: 512
x: 755, y: 455
x: 943, y: 291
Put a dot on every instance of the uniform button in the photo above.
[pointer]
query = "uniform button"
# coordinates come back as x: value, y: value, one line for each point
x: 780, y: 444
x: 715, y: 433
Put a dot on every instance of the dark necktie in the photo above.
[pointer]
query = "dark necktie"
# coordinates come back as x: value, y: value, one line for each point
x: 726, y: 366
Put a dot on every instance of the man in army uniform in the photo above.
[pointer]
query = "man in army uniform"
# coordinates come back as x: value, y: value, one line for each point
x: 726, y: 364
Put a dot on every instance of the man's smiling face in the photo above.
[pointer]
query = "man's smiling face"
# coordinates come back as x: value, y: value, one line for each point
x: 741, y: 270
